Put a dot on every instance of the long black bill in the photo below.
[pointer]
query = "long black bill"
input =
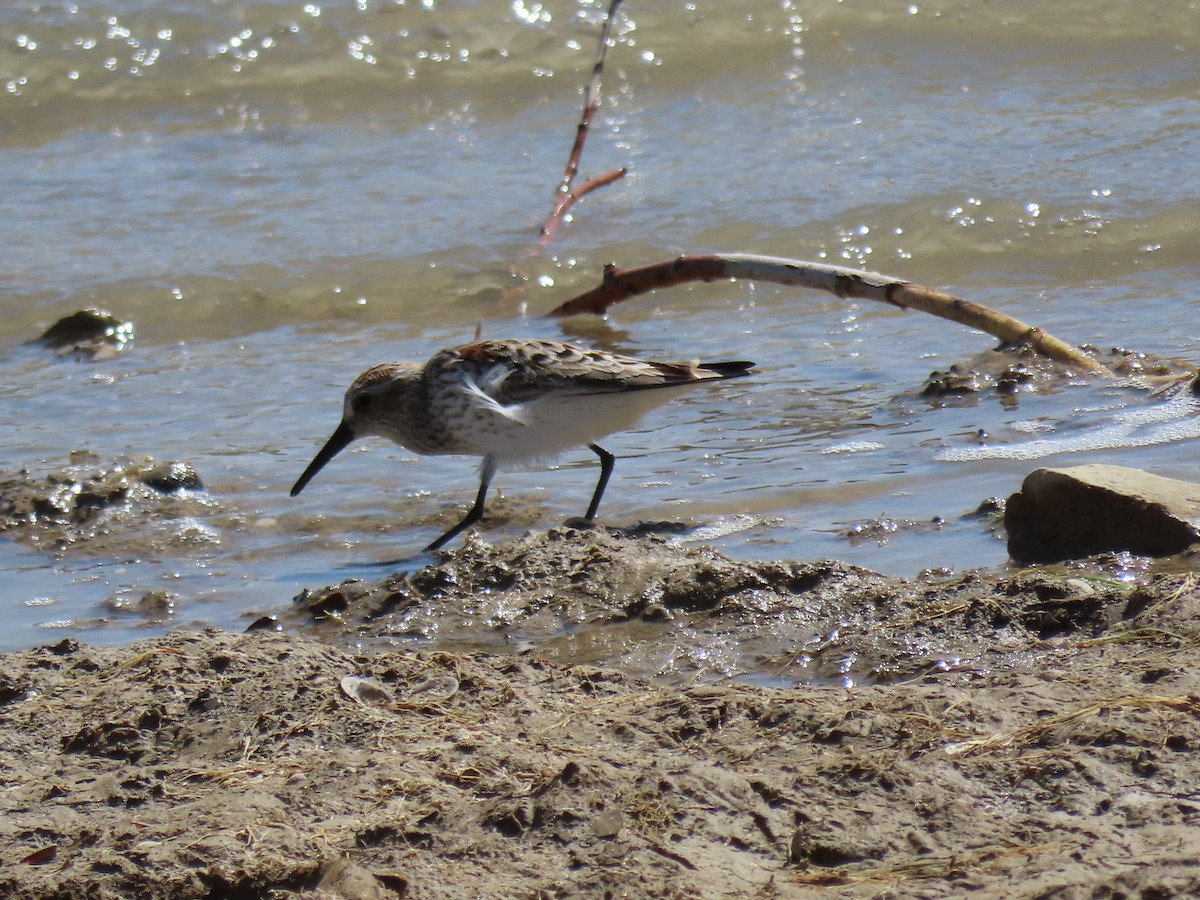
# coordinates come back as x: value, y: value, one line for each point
x: 336, y: 444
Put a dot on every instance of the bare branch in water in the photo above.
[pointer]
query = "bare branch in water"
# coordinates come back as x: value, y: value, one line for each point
x: 565, y: 195
x: 621, y: 284
x: 591, y: 103
x: 567, y: 200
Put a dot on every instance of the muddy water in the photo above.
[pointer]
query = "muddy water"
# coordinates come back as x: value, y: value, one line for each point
x: 281, y: 194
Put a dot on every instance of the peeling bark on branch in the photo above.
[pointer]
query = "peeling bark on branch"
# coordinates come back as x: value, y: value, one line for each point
x: 621, y: 284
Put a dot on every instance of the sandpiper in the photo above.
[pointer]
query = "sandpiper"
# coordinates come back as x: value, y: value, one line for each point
x: 512, y: 402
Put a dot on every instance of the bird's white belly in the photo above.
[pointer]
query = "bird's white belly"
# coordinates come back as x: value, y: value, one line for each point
x: 541, y: 429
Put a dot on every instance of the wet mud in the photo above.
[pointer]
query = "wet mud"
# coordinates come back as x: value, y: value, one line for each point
x: 621, y: 714
x: 135, y: 505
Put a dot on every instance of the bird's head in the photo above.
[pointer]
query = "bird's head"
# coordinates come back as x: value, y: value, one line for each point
x: 373, y: 402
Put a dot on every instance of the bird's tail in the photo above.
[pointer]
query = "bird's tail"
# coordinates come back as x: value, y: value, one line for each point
x: 727, y: 369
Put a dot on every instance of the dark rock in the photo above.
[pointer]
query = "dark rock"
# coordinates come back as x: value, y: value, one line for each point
x: 168, y: 477
x: 90, y: 333
x: 955, y: 380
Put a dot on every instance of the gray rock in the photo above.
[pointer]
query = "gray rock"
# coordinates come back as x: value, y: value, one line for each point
x: 1077, y: 511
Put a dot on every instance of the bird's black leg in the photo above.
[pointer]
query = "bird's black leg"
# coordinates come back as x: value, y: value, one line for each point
x: 606, y: 467
x: 476, y: 513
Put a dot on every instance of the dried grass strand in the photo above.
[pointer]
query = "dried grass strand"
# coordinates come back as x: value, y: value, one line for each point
x: 1027, y: 734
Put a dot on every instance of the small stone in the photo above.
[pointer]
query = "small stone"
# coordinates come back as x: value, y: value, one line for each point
x: 607, y: 823
x: 168, y: 477
x: 265, y: 623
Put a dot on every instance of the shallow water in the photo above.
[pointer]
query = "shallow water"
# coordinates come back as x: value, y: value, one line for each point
x: 281, y: 194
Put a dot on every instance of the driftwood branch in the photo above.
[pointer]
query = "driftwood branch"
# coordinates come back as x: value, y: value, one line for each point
x: 621, y: 284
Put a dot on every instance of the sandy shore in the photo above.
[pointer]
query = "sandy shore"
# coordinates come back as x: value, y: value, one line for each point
x: 770, y: 729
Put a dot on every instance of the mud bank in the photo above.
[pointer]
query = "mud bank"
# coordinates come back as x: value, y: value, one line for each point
x: 859, y: 736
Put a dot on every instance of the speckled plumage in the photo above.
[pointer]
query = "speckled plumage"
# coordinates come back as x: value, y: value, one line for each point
x: 511, y: 402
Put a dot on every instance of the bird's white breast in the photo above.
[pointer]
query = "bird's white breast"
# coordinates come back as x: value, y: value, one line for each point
x: 541, y: 429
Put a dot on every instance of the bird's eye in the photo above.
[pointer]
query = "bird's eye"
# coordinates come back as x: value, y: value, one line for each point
x: 362, y: 402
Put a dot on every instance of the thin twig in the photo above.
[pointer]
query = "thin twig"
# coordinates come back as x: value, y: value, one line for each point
x: 565, y: 197
x: 618, y: 285
x: 567, y: 200
x: 591, y: 103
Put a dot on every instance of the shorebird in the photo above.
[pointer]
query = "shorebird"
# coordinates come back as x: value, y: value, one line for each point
x: 512, y: 402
